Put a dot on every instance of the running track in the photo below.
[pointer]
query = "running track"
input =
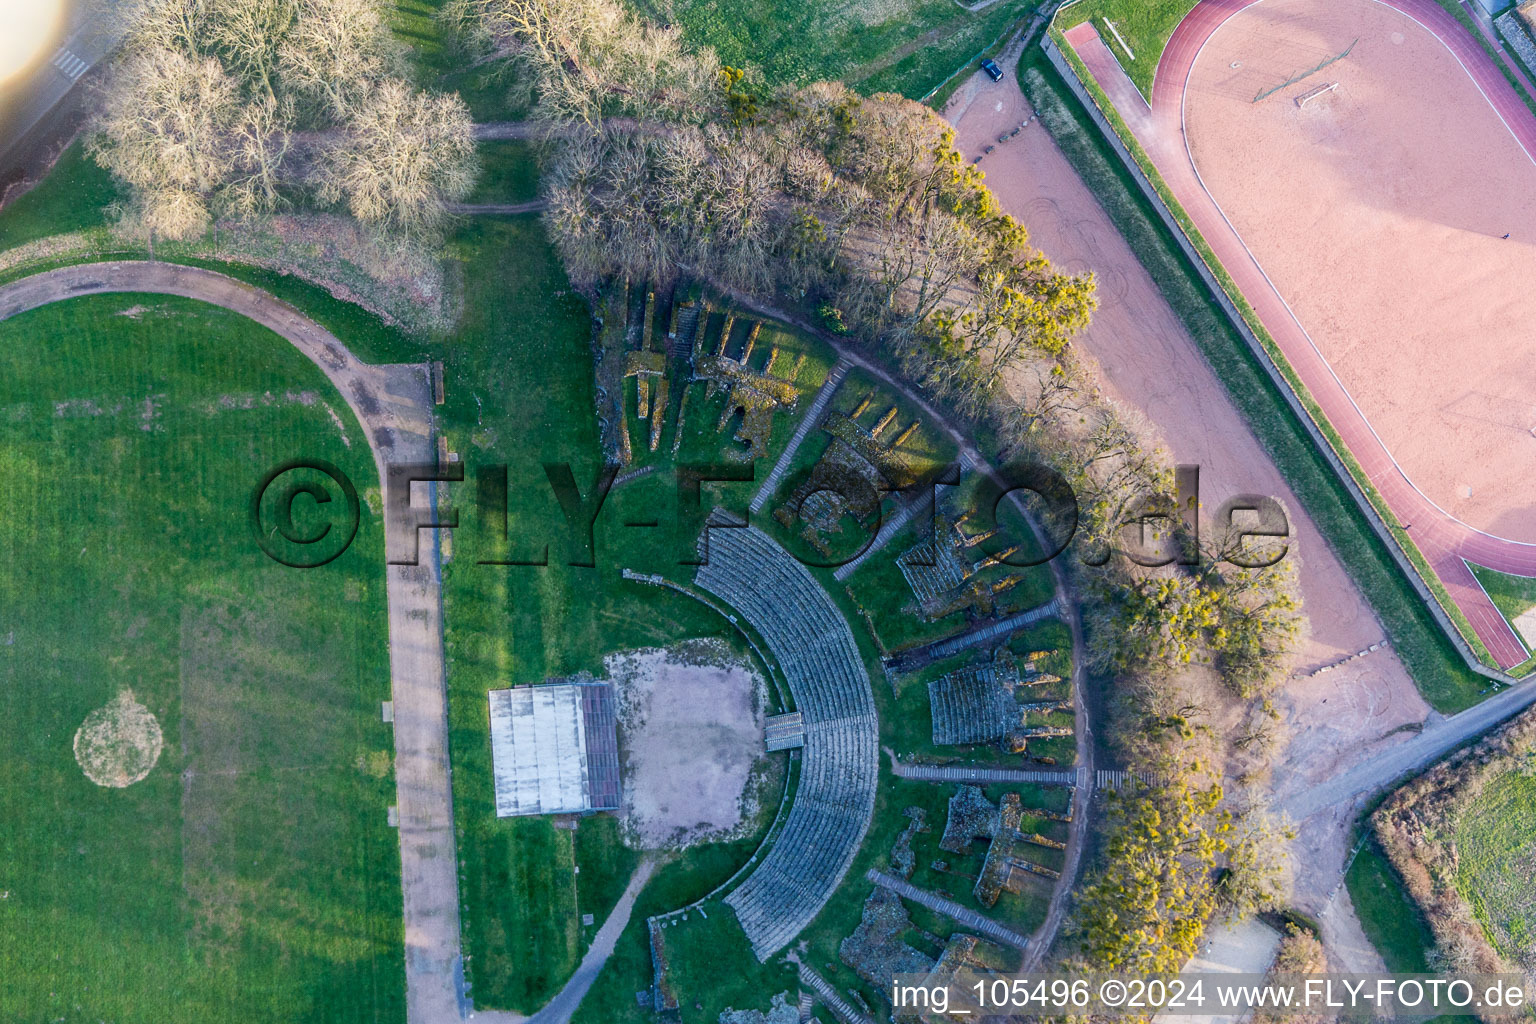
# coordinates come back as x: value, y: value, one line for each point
x: 1444, y: 540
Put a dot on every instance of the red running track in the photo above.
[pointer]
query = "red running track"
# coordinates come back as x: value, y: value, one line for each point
x: 1447, y: 543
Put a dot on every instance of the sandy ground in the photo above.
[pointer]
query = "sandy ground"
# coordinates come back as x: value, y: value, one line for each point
x: 1149, y: 362
x: 1237, y: 947
x: 691, y: 733
x: 1379, y: 218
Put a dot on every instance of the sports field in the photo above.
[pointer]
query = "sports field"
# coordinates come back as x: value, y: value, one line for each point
x: 251, y: 874
x: 1355, y: 166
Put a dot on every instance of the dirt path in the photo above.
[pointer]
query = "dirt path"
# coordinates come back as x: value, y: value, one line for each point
x: 1149, y: 363
x: 560, y: 1009
x: 394, y: 405
x: 497, y: 209
x: 1461, y: 66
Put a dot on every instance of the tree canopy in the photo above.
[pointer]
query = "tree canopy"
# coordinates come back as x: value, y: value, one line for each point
x: 236, y: 107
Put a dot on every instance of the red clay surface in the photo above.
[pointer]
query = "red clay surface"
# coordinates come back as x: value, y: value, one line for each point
x: 1365, y: 230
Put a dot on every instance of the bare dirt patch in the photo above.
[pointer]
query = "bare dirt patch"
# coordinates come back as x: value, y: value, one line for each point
x: 119, y: 743
x: 1397, y: 216
x: 691, y: 735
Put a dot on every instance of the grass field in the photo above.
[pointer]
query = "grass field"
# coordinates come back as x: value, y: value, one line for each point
x: 1145, y: 25
x: 903, y: 46
x: 1438, y: 670
x: 71, y: 199
x: 252, y: 875
x: 1388, y: 917
x: 1496, y: 847
x: 519, y: 392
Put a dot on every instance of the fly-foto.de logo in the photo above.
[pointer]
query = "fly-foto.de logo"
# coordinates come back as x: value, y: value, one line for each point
x: 305, y: 513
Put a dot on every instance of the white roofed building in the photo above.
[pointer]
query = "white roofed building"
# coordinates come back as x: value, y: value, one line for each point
x: 554, y: 748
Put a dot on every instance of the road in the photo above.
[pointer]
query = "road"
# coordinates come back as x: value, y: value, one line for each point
x: 560, y: 1009
x: 94, y: 32
x: 1446, y: 542
x: 394, y: 405
x: 1440, y: 737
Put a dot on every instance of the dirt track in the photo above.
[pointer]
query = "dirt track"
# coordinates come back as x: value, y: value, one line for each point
x: 1417, y: 232
x: 1150, y: 363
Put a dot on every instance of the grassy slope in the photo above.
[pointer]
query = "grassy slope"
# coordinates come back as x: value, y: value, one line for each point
x: 265, y: 884
x: 1438, y: 670
x: 71, y: 199
x: 1145, y: 25
x: 905, y: 46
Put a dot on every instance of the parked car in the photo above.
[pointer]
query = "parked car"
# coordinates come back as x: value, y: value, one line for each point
x: 993, y: 71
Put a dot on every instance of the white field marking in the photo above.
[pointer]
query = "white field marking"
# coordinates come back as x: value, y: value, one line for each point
x: 1184, y: 130
x: 1502, y: 617
x: 1119, y: 39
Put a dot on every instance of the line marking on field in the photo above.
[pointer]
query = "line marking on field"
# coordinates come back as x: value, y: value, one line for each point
x: 1189, y: 153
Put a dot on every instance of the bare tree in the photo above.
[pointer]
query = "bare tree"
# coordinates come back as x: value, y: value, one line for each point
x: 336, y: 51
x: 202, y: 109
x: 591, y: 58
x: 162, y: 130
x: 402, y: 156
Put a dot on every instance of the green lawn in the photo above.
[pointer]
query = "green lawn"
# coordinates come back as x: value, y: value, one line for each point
x: 70, y: 199
x: 1389, y: 918
x: 903, y: 46
x: 518, y: 383
x: 1496, y: 846
x: 519, y: 393
x: 252, y: 874
x: 1144, y: 25
x: 1437, y: 668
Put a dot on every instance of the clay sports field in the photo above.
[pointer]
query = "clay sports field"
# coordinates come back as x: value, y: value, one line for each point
x: 1362, y: 209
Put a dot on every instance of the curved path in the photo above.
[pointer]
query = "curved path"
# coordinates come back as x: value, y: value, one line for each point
x: 1446, y: 543
x: 394, y: 405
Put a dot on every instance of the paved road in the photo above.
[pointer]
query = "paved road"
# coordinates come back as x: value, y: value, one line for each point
x: 1440, y: 737
x: 1444, y: 540
x: 394, y: 405
x: 560, y: 1009
x: 95, y: 30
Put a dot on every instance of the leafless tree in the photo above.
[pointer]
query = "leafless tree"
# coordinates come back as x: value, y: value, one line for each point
x: 401, y: 157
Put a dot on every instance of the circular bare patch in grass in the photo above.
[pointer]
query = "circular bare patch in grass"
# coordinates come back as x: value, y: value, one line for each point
x: 118, y: 743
